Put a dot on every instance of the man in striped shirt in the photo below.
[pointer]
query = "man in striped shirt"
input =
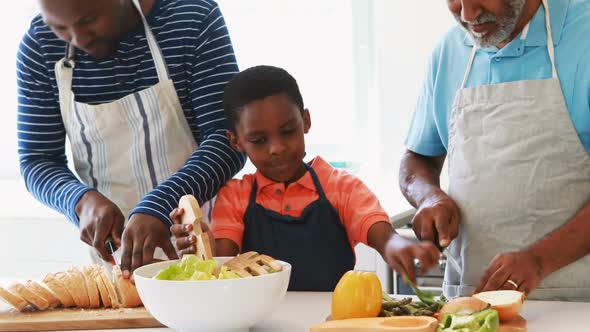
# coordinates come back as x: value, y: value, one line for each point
x: 114, y: 60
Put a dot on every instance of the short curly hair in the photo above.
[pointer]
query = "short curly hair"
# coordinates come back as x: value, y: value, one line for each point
x: 257, y: 83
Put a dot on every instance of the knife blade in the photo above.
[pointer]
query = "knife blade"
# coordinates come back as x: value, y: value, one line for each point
x: 451, y: 260
x: 447, y: 254
x: 111, y: 248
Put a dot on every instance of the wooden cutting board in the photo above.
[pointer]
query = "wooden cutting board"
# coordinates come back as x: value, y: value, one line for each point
x: 75, y: 319
x: 388, y: 324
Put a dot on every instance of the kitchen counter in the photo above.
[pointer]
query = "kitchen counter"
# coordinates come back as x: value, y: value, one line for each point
x: 300, y: 310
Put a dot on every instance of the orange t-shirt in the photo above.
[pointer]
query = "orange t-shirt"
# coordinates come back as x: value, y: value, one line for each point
x: 357, y: 206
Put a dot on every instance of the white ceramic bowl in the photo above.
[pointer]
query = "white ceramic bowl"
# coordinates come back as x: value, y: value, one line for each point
x: 210, y: 305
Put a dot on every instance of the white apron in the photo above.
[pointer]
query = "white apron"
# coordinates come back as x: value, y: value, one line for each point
x: 518, y: 171
x: 127, y: 147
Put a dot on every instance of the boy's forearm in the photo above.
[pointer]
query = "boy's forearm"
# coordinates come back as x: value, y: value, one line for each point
x: 419, y: 176
x: 226, y: 247
x: 378, y: 236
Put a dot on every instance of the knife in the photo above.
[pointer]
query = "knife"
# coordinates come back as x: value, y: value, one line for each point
x: 445, y: 251
x: 111, y: 248
x: 451, y: 260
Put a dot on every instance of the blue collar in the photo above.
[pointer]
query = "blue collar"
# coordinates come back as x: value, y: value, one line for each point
x: 537, y: 35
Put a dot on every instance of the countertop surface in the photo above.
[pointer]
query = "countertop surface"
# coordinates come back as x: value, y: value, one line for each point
x: 300, y: 310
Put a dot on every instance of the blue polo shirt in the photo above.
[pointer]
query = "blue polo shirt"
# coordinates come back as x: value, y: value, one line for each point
x: 521, y: 59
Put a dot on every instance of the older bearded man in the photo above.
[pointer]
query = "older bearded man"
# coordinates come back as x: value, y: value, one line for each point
x: 507, y: 99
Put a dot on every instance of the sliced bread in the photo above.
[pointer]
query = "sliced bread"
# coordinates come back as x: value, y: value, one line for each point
x: 115, y: 302
x: 102, y: 288
x: 12, y: 298
x: 37, y: 301
x: 126, y: 290
x: 77, y: 287
x: 91, y: 286
x: 60, y: 291
x: 43, y: 292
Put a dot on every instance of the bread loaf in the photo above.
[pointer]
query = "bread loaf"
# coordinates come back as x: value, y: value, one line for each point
x: 88, y: 287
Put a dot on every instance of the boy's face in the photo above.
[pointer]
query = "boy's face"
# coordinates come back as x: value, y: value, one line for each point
x: 270, y: 131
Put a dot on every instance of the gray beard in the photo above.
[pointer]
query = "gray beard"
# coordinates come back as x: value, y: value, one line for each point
x: 506, y: 24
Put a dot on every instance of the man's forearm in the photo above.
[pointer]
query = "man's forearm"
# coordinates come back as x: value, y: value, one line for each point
x: 565, y: 245
x: 419, y: 177
x: 214, y: 163
x: 54, y: 185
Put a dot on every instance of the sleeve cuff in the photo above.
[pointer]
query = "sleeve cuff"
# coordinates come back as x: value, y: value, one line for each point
x: 366, y: 224
x: 229, y: 234
x: 74, y: 201
x: 430, y: 150
x: 156, y: 213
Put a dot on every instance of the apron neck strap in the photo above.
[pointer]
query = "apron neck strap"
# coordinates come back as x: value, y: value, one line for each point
x: 469, y: 65
x: 70, y: 56
x: 316, y: 181
x: 159, y: 62
x: 550, y: 47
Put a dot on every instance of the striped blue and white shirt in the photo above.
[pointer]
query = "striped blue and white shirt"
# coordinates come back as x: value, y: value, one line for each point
x: 198, y: 52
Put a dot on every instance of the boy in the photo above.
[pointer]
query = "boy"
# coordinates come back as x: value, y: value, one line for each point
x: 310, y: 215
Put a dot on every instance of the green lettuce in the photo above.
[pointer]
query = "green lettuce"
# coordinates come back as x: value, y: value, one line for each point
x: 191, y: 267
x: 486, y: 320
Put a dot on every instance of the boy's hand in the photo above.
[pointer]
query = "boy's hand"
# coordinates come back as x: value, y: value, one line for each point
x: 401, y: 252
x: 185, y: 242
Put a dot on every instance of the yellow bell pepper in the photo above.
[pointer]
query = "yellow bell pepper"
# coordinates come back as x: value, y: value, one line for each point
x: 357, y: 295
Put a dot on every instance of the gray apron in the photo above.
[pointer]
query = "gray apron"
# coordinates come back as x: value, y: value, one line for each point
x: 518, y: 171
